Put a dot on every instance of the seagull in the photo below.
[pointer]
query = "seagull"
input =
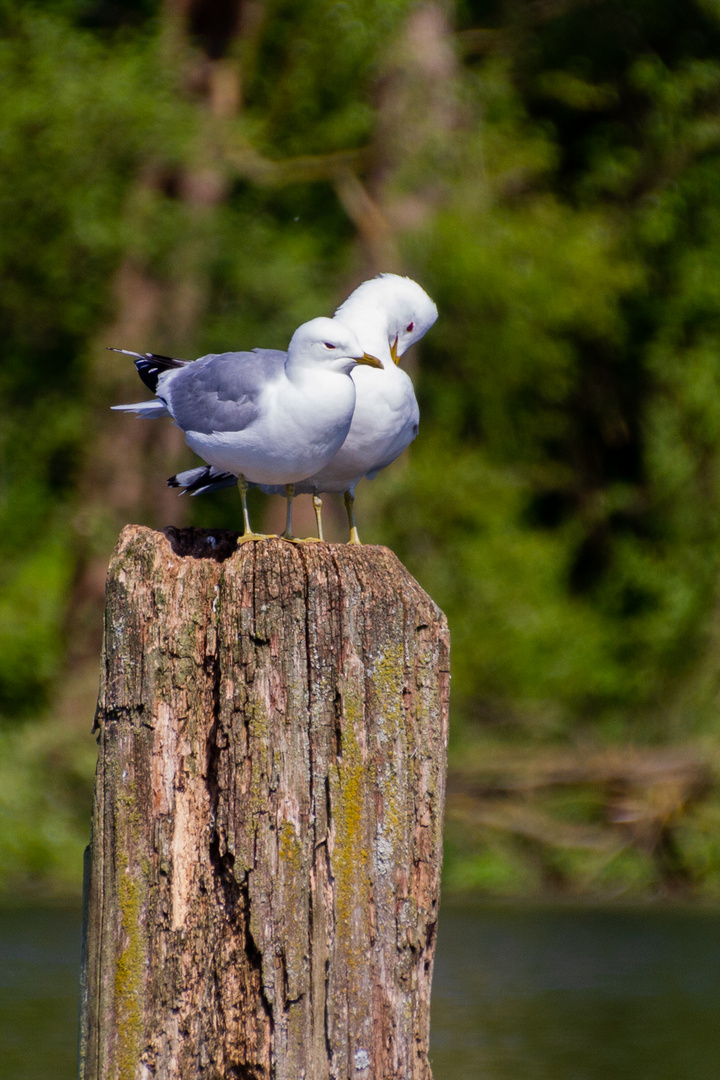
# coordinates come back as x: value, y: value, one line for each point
x: 263, y: 417
x: 388, y: 313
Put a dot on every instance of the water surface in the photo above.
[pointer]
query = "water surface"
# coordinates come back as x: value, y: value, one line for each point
x: 520, y: 993
x: 39, y: 971
x: 576, y: 994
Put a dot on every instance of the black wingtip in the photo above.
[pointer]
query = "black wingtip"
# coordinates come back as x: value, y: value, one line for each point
x: 149, y: 371
x: 150, y: 366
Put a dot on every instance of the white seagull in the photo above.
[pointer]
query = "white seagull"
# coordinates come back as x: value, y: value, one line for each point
x: 388, y: 314
x: 263, y: 417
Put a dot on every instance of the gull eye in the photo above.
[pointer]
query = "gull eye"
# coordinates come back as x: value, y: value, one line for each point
x: 328, y: 345
x: 409, y: 328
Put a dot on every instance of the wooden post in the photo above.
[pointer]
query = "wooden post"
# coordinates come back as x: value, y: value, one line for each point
x: 264, y: 868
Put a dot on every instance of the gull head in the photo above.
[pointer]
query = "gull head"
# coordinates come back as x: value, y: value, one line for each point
x: 329, y: 345
x: 406, y: 309
x: 411, y: 315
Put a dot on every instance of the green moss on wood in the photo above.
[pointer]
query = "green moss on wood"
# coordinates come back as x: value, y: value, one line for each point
x: 290, y: 850
x: 353, y: 776
x: 387, y: 677
x: 129, y: 973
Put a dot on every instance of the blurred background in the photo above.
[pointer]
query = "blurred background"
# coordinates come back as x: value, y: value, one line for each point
x: 188, y: 176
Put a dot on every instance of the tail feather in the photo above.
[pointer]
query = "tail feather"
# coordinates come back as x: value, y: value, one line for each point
x: 150, y: 366
x: 204, y: 479
x: 146, y: 410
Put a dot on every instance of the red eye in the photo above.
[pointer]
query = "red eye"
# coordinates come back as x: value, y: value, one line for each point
x: 409, y: 328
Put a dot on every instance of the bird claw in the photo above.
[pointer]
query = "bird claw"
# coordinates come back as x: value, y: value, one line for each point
x: 300, y: 539
x: 247, y: 537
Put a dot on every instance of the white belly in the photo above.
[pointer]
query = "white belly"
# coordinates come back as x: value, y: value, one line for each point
x: 384, y: 423
x: 301, y: 426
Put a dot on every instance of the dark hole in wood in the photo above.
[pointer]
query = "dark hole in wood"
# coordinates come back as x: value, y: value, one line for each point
x: 191, y: 543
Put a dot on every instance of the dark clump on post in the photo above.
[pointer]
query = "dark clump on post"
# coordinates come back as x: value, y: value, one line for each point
x: 263, y: 876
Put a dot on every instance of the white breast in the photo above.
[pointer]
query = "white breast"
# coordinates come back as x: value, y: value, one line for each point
x: 384, y: 423
x: 301, y: 426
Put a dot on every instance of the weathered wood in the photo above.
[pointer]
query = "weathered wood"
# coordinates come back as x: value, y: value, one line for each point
x: 267, y: 827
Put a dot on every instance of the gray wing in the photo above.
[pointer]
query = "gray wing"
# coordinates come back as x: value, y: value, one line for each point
x: 221, y: 391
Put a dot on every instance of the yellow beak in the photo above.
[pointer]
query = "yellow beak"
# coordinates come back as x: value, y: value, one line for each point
x: 370, y: 361
x: 393, y: 351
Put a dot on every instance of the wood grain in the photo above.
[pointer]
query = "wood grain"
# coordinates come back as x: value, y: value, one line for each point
x: 263, y: 878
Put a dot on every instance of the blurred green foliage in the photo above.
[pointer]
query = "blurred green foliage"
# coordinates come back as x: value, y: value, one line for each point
x: 44, y: 808
x: 77, y: 121
x: 569, y: 460
x: 562, y: 502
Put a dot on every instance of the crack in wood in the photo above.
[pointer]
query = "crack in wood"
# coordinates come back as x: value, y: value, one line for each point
x: 273, y: 723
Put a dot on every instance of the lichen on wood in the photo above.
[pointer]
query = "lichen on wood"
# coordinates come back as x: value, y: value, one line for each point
x: 267, y: 826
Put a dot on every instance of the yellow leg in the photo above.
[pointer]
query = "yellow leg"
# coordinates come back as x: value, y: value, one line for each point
x: 317, y: 507
x: 248, y: 534
x: 349, y: 509
x: 287, y: 533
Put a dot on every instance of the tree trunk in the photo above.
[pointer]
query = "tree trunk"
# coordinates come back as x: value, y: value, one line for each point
x: 263, y: 876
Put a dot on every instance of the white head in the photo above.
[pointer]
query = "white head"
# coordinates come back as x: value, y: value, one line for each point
x: 407, y: 310
x: 329, y: 345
